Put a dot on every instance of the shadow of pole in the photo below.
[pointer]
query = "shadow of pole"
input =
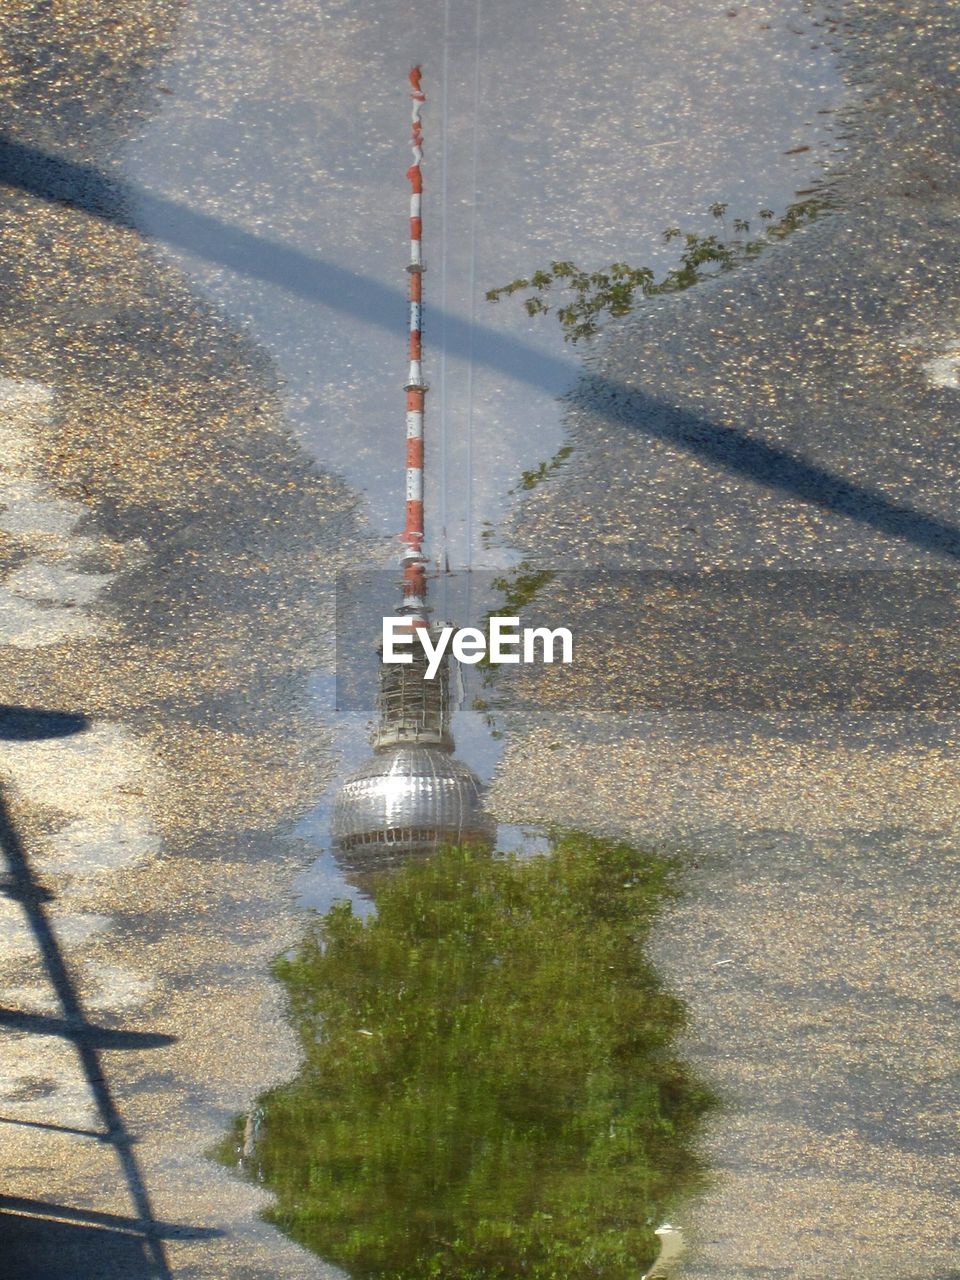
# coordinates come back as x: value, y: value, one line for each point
x: 101, y: 1037
x: 84, y: 187
x: 22, y: 724
x: 56, y: 1128
x: 94, y: 1217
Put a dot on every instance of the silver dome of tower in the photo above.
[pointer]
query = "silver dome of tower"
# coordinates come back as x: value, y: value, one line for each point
x: 406, y: 800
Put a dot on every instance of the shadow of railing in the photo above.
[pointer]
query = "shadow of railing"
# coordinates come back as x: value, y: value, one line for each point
x: 304, y: 275
x: 44, y: 1241
x: 50, y: 1241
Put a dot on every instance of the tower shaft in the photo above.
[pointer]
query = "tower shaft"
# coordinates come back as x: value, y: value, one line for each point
x: 413, y: 559
x: 411, y: 708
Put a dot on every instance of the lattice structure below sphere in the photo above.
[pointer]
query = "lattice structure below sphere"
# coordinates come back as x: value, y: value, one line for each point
x: 410, y: 708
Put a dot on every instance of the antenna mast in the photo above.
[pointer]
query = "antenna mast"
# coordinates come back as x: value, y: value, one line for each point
x: 413, y: 559
x: 411, y: 708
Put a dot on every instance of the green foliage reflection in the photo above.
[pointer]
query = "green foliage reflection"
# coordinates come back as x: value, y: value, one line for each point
x: 615, y: 291
x: 489, y: 1088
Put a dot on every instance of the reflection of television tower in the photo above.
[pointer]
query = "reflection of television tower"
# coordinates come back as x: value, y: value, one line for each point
x: 413, y: 795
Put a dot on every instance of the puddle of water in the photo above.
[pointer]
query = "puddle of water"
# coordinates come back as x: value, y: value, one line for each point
x: 591, y: 134
x: 275, y: 163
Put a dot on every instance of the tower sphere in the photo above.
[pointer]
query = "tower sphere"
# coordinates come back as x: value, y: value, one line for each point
x: 405, y: 800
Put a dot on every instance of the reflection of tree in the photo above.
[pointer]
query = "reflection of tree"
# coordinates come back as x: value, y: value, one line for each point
x: 518, y: 588
x: 489, y: 1086
x: 616, y: 290
x: 530, y: 479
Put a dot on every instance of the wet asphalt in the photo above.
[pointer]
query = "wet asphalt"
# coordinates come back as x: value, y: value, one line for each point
x: 797, y: 416
x: 172, y: 525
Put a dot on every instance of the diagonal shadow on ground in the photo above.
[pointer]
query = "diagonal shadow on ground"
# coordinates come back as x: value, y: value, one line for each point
x: 102, y: 1037
x: 44, y: 1241
x: 84, y: 187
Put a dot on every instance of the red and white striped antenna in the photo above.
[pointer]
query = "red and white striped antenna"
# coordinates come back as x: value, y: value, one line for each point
x: 413, y: 560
